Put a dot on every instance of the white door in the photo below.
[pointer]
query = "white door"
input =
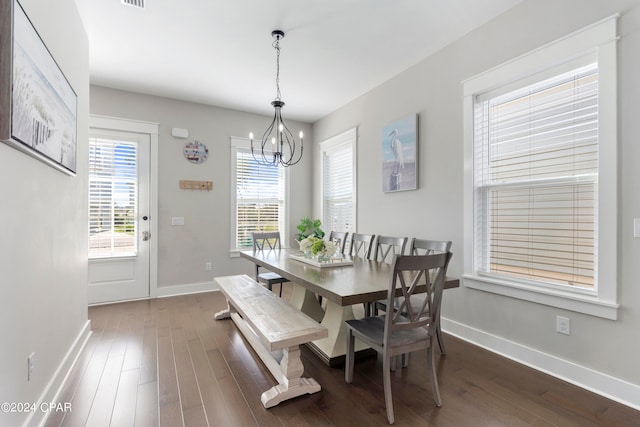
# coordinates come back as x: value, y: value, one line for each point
x: 119, y: 220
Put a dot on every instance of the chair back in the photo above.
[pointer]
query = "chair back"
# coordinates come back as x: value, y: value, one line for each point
x: 361, y: 245
x: 408, y: 276
x: 339, y: 236
x: 428, y: 247
x: 386, y: 247
x: 269, y: 241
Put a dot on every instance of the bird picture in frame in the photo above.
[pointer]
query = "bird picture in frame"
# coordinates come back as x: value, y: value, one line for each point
x: 400, y: 155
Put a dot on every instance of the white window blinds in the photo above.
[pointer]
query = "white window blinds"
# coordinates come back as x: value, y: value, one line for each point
x: 536, y: 175
x: 112, y: 198
x: 260, y: 198
x: 338, y: 189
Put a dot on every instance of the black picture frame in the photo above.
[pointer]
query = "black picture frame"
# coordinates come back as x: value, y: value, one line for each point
x: 38, y: 106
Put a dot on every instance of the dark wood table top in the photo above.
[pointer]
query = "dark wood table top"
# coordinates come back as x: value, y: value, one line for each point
x: 364, y: 281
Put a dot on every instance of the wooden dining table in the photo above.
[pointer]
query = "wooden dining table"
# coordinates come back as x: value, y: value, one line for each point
x: 343, y: 286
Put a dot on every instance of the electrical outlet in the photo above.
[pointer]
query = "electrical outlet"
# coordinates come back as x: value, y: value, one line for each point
x: 563, y: 325
x: 207, y: 266
x: 30, y: 364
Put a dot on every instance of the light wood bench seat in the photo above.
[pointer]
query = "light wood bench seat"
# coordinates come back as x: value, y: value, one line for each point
x: 275, y: 330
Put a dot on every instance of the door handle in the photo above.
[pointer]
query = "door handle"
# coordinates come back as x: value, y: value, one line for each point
x: 146, y: 236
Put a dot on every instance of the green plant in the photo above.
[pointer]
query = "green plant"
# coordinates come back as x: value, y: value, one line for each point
x: 308, y: 227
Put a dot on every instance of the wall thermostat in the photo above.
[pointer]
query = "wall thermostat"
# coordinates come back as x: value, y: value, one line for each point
x: 179, y: 133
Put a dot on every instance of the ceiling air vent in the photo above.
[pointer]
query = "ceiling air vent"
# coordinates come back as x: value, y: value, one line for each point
x: 134, y: 3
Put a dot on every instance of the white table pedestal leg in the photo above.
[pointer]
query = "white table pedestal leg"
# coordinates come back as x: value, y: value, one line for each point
x: 334, y: 347
x: 306, y: 302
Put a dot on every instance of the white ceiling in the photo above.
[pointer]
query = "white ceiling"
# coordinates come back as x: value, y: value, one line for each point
x: 218, y: 52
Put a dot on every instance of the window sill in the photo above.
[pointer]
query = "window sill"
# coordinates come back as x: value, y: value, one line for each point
x: 590, y: 305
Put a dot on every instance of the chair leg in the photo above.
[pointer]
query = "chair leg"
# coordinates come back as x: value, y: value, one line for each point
x: 281, y: 285
x: 388, y: 398
x: 367, y: 309
x: 434, y: 376
x: 348, y: 362
x: 405, y: 360
x: 440, y: 340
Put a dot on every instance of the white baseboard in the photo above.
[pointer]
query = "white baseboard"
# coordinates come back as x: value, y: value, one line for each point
x: 59, y: 378
x: 193, y: 288
x: 605, y: 385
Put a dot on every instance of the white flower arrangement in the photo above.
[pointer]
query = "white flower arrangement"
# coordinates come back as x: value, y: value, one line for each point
x: 306, y: 243
x: 317, y: 246
x: 330, y: 247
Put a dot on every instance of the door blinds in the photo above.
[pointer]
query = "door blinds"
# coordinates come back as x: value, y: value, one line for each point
x: 112, y: 198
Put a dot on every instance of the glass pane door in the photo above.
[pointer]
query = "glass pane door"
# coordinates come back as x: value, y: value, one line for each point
x: 113, y: 197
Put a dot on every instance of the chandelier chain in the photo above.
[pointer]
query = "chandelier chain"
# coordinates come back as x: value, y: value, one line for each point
x: 276, y: 46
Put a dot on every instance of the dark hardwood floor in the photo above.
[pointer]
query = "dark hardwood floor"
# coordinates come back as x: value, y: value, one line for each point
x: 168, y: 362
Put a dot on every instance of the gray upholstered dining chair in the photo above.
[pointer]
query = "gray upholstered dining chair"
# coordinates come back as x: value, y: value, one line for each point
x: 386, y: 247
x: 429, y: 247
x: 268, y: 241
x: 361, y: 245
x: 408, y: 328
x: 422, y: 247
x: 384, y: 250
x: 340, y: 236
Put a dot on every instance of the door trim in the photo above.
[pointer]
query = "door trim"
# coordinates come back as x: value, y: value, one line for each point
x: 152, y: 129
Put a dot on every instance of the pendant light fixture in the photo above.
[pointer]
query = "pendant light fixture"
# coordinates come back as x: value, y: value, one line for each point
x: 278, y: 146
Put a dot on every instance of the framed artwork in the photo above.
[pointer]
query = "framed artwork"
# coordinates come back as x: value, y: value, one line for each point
x: 38, y: 106
x: 400, y: 155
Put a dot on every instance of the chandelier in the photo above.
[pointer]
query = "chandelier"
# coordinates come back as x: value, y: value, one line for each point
x: 277, y: 146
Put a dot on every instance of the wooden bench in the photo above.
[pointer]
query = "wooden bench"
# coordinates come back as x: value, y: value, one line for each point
x: 275, y: 330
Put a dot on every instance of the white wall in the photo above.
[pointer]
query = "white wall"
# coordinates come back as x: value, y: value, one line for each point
x: 184, y: 250
x: 43, y: 238
x: 599, y: 354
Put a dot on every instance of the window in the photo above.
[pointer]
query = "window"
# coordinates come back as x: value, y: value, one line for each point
x: 112, y: 198
x: 536, y: 168
x: 542, y: 188
x: 339, y: 182
x: 259, y: 194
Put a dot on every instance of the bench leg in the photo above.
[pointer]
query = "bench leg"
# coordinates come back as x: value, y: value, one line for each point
x: 224, y: 314
x: 291, y: 383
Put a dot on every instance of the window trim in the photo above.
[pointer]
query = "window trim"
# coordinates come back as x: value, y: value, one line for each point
x: 599, y: 39
x: 347, y: 137
x: 244, y: 143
